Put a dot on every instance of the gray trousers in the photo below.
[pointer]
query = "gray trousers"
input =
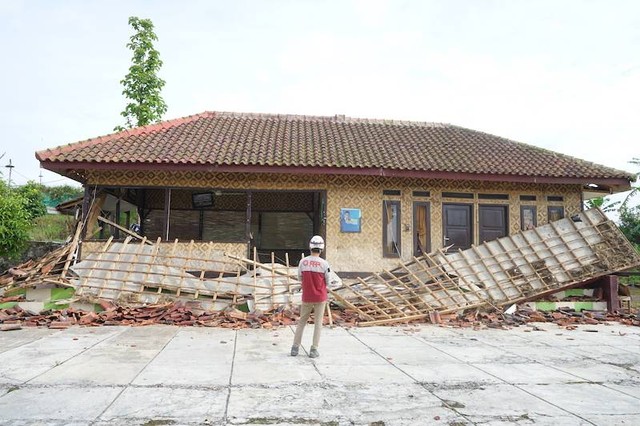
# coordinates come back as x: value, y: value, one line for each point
x: 318, y: 315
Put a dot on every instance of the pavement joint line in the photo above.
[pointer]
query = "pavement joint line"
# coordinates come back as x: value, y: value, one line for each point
x: 136, y: 376
x: 28, y: 343
x: 618, y: 390
x: 233, y: 362
x: 512, y: 384
x: 315, y: 366
x: 442, y: 400
x: 531, y: 394
x: 484, y: 344
x: 565, y: 350
x: 424, y: 340
x: 72, y: 357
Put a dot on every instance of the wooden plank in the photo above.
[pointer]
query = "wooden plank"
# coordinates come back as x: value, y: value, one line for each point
x: 380, y: 310
x: 123, y: 229
x: 105, y: 280
x: 72, y: 249
x: 406, y: 302
x: 350, y: 305
x: 85, y: 281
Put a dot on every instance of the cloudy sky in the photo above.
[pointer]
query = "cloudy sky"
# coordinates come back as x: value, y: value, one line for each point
x: 562, y: 75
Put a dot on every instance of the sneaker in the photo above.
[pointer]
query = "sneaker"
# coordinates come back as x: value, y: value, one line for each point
x: 294, y: 350
x: 313, y: 353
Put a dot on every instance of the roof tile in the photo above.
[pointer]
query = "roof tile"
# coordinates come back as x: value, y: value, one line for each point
x: 221, y: 138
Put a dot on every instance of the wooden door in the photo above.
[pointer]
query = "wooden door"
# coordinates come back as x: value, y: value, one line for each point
x: 457, y: 225
x: 421, y: 228
x: 492, y: 222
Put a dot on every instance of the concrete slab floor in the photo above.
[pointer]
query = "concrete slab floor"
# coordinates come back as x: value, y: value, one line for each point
x: 401, y: 375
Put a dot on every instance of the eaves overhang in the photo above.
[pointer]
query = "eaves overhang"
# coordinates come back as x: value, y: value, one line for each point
x: 75, y: 170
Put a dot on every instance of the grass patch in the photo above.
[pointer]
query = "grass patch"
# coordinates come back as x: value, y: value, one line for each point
x: 52, y: 227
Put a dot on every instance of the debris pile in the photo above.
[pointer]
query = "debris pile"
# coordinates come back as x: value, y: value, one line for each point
x: 565, y: 318
x: 179, y: 314
x: 139, y: 282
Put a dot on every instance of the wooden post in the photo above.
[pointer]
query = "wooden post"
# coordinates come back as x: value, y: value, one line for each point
x: 610, y: 292
x: 167, y: 213
x: 329, y: 315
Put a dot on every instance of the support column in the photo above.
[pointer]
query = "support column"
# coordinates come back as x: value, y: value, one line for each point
x: 89, y: 194
x: 247, y: 226
x: 167, y: 214
x: 610, y: 292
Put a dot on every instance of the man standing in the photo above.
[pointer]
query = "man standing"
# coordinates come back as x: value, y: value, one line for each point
x: 313, y: 271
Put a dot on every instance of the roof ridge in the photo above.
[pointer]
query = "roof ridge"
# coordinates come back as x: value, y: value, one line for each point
x: 166, y: 124
x: 337, y: 118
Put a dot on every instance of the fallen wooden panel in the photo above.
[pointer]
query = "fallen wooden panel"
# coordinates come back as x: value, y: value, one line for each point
x: 138, y: 273
x: 508, y: 270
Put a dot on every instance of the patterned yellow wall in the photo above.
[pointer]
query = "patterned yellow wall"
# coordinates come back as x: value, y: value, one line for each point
x: 363, y: 251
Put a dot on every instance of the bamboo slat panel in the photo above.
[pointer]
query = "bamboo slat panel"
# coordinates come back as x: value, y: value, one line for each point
x: 508, y: 270
x: 132, y: 272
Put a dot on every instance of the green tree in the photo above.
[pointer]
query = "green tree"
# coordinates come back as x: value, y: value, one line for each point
x: 142, y: 86
x: 634, y: 189
x: 630, y: 216
x: 603, y: 203
x: 630, y: 224
x: 55, y: 195
x: 15, y: 222
x: 33, y: 199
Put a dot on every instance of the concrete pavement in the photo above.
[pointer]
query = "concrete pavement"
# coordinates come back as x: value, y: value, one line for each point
x: 160, y: 375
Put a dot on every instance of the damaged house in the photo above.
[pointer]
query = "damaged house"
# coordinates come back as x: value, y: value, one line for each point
x: 223, y: 205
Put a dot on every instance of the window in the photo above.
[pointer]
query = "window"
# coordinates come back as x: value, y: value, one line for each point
x: 457, y: 195
x: 493, y: 196
x: 555, y: 213
x: 391, y: 228
x: 528, y: 217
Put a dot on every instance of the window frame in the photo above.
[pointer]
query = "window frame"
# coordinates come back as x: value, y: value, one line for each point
x: 534, y: 216
x: 386, y: 204
x: 550, y: 209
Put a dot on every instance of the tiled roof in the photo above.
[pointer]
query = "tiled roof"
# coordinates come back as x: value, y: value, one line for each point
x: 293, y: 141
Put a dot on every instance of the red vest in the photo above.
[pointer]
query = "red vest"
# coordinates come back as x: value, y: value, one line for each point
x: 313, y: 271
